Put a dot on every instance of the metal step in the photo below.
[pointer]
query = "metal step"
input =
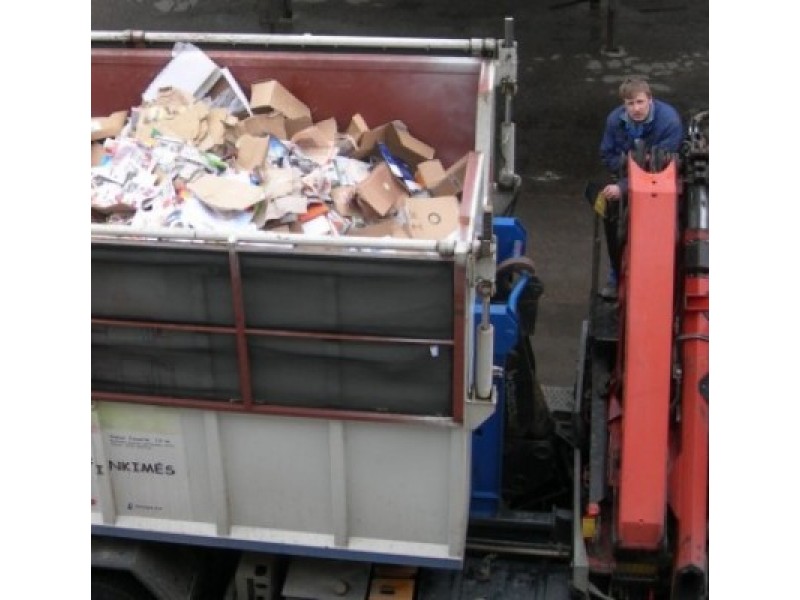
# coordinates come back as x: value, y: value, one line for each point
x: 559, y: 398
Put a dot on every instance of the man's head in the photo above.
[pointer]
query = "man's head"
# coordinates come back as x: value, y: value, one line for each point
x: 635, y: 94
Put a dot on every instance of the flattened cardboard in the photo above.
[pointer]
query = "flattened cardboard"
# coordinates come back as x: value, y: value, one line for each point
x: 318, y: 142
x: 280, y: 182
x: 225, y: 193
x: 217, y: 117
x: 295, y: 125
x: 251, y: 151
x: 110, y: 126
x: 184, y: 125
x: 264, y: 124
x: 453, y: 181
x: 380, y: 190
x: 432, y: 218
x: 391, y: 589
x: 429, y: 173
x: 271, y: 95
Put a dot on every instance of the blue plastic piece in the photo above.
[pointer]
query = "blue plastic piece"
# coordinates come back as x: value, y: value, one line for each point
x: 511, y: 238
x: 487, y: 440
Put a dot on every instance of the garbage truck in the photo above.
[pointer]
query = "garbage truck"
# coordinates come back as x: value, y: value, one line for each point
x: 290, y: 415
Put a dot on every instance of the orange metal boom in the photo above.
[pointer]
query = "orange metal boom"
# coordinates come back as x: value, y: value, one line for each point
x: 646, y: 366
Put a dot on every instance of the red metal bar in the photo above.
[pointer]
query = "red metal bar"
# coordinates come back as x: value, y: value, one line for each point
x: 647, y: 357
x: 689, y: 484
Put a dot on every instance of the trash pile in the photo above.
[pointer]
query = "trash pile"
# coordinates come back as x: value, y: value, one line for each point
x: 200, y: 154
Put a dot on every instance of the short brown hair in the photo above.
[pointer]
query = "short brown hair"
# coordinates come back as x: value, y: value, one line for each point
x: 633, y: 85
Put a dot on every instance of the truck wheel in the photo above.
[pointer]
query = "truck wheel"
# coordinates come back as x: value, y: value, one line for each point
x: 117, y: 585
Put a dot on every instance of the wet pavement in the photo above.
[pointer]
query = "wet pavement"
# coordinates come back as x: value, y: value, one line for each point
x: 570, y: 65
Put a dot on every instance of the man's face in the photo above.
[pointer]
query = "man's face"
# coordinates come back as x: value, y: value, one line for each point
x: 638, y: 107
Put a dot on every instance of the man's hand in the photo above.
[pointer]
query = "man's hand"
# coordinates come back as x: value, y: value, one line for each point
x: 612, y: 192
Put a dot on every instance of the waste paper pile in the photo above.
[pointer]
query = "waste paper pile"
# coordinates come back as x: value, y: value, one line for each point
x: 199, y: 153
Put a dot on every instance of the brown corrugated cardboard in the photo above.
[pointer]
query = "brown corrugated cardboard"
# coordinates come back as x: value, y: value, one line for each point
x: 264, y: 124
x: 184, y: 125
x: 391, y: 589
x: 318, y: 142
x: 406, y: 147
x: 357, y: 127
x: 298, y: 124
x: 432, y: 218
x: 215, y: 135
x: 398, y: 140
x: 453, y: 181
x: 110, y: 126
x: 380, y: 190
x: 271, y: 95
x: 251, y: 151
x: 280, y: 181
x: 369, y: 140
x: 225, y: 193
x: 429, y: 173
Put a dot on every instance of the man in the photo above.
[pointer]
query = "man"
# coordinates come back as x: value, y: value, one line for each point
x: 640, y: 117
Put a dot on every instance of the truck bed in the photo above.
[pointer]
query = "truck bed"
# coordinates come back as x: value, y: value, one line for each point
x: 279, y: 394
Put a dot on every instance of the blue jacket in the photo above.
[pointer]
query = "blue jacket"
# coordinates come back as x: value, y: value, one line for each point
x: 662, y: 128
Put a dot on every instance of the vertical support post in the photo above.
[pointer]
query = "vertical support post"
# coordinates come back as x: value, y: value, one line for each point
x: 243, y: 357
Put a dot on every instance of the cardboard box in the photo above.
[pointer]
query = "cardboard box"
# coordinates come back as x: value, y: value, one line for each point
x: 368, y: 144
x: 391, y: 589
x: 453, y: 181
x: 400, y: 142
x: 271, y: 95
x: 380, y: 191
x: 429, y: 173
x: 110, y: 126
x: 432, y: 218
x: 357, y: 127
x: 406, y: 147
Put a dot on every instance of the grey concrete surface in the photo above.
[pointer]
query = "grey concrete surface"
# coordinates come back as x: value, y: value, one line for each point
x: 569, y: 70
